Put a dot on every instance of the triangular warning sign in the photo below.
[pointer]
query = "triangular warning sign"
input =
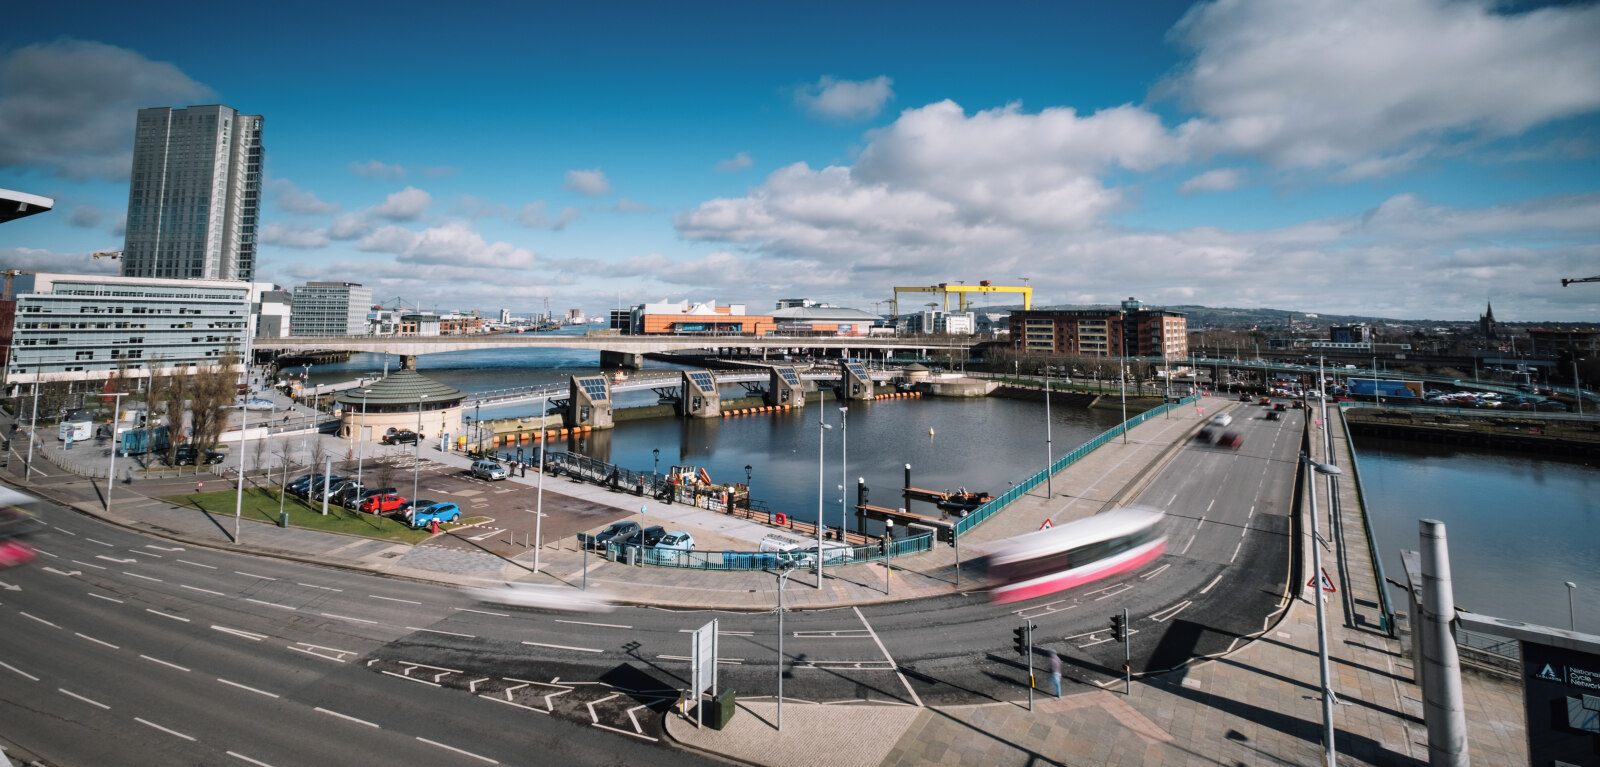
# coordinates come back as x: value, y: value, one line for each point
x: 1327, y: 583
x: 1046, y: 525
x: 1549, y: 673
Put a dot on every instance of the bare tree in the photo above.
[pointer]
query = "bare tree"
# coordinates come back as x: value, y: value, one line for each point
x: 169, y: 392
x: 260, y: 450
x: 212, y: 394
x: 319, y: 453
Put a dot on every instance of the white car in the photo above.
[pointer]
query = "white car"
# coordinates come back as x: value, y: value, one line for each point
x: 1222, y: 419
x: 259, y: 404
x: 539, y: 596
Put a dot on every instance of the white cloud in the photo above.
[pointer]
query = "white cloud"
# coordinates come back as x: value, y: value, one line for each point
x: 625, y: 205
x: 349, y: 226
x: 534, y: 215
x: 1219, y: 180
x: 293, y: 199
x: 407, y: 204
x: 67, y: 107
x: 477, y: 207
x: 452, y: 244
x: 845, y: 100
x: 291, y: 236
x: 377, y: 169
x: 737, y: 162
x: 589, y: 182
x: 44, y: 260
x: 1317, y: 83
x: 86, y: 216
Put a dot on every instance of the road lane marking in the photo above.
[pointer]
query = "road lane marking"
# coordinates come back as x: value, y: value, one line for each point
x: 97, y: 641
x: 37, y: 618
x: 563, y: 647
x: 1236, y: 548
x: 64, y: 530
x: 601, y: 625
x: 163, y: 729
x: 340, y: 653
x: 146, y: 577
x: 129, y: 561
x: 347, y: 618
x: 167, y: 615
x: 457, y: 750
x: 413, y: 679
x: 392, y: 599
x: 1125, y: 587
x: 244, y: 758
x: 269, y: 604
x: 197, y: 564
x: 164, y: 663
x: 724, y: 661
x: 436, y: 631
x: 102, y: 543
x: 19, y: 671
x: 1187, y: 545
x: 1212, y: 583
x: 1170, y: 612
x: 86, y: 564
x: 315, y: 586
x: 145, y: 554
x: 480, y: 612
x: 252, y: 636
x: 1202, y: 520
x: 1212, y: 503
x: 197, y: 588
x: 722, y: 633
x: 65, y: 691
x: 46, y: 553
x: 247, y: 687
x: 348, y: 717
x: 841, y: 634
x: 1156, y: 571
x: 887, y: 656
x: 103, y: 596
x: 252, y: 575
x: 163, y: 548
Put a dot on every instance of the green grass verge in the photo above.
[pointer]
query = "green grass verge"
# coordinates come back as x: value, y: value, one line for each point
x: 261, y: 504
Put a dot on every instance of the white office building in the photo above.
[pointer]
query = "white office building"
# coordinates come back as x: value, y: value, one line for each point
x: 195, y: 194
x: 77, y: 327
x: 935, y: 321
x: 330, y: 309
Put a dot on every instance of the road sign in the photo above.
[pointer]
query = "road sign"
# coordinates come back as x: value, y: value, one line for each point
x: 1327, y: 583
x: 1046, y: 525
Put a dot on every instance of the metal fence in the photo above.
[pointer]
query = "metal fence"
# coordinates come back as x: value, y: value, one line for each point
x: 978, y: 515
x: 833, y: 555
x: 1366, y: 524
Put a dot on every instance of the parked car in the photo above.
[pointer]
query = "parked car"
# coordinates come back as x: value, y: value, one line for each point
x: 617, y: 532
x: 484, y: 468
x: 338, y: 491
x: 189, y: 455
x: 355, y: 501
x: 444, y: 512
x: 409, y: 508
x: 313, y: 488
x: 382, y: 503
x: 400, y: 437
x: 298, y: 485
x: 646, y: 537
x: 673, y: 543
x: 256, y: 403
x: 1553, y: 406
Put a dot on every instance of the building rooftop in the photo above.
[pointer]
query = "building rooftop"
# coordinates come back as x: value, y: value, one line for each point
x: 823, y: 314
x: 15, y: 205
x: 399, y: 388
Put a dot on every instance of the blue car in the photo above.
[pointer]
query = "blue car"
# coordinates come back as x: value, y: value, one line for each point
x: 444, y: 512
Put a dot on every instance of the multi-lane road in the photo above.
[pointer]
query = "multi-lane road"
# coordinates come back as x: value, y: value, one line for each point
x: 119, y: 648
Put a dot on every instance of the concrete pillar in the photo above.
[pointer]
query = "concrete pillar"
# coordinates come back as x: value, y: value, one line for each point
x: 1442, y: 705
x: 629, y: 360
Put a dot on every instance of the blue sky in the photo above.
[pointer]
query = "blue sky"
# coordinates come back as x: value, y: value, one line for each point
x: 1405, y: 158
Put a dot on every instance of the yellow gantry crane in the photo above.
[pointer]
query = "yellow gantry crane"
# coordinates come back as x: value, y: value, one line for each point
x: 1565, y: 282
x: 961, y: 292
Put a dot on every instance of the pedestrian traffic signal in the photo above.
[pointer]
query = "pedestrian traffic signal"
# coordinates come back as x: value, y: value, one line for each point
x: 1019, y: 639
x: 1119, y: 628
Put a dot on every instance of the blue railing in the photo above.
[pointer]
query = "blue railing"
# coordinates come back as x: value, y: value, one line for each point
x: 989, y: 509
x: 833, y: 556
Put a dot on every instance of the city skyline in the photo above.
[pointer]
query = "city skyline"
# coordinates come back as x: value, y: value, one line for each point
x: 1404, y: 159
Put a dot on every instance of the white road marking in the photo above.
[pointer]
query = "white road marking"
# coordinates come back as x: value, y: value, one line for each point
x: 1236, y: 548
x: 1125, y: 587
x: 254, y: 637
x: 103, y: 596
x: 247, y: 687
x: 887, y: 656
x: 65, y: 691
x: 413, y: 679
x: 722, y: 633
x: 19, y: 671
x: 46, y: 553
x: 480, y: 612
x: 436, y: 631
x: 347, y: 618
x: 164, y: 663
x: 392, y: 599
x: 205, y: 591
x: 348, y: 717
x: 1170, y: 612
x: 163, y: 548
x: 1187, y: 545
x: 315, y: 586
x: 563, y: 647
x: 197, y: 564
x: 314, y: 647
x: 37, y: 618
x: 244, y: 758
x: 102, y: 543
x: 1202, y: 519
x: 457, y: 750
x: 1212, y: 583
x: 251, y: 575
x: 163, y: 729
x: 136, y: 575
x: 1209, y: 505
x: 97, y: 641
x: 64, y: 530
x: 1156, y: 571
x: 145, y: 553
x: 269, y: 604
x: 724, y: 661
x: 601, y: 625
x: 86, y: 564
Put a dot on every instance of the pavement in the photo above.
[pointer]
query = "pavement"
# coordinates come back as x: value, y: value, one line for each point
x: 1256, y: 705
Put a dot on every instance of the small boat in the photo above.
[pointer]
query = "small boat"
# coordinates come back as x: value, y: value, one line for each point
x: 965, y: 501
x: 621, y: 376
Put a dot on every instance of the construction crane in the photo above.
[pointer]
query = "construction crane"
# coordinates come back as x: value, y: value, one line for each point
x: 108, y: 254
x: 961, y: 292
x: 1565, y: 282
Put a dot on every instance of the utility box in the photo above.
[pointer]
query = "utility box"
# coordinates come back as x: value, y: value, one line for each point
x: 720, y: 710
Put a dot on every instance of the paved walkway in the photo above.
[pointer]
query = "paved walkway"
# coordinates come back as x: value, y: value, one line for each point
x: 1255, y: 706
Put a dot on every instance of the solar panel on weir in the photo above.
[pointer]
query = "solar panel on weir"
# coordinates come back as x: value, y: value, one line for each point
x: 703, y: 380
x: 594, y: 387
x: 856, y: 369
x: 788, y: 376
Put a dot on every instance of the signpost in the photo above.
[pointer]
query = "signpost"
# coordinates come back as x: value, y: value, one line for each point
x: 703, y: 671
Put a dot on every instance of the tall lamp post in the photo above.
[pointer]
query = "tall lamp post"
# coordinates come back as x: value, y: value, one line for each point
x: 747, y: 495
x: 783, y: 579
x: 238, y: 493
x: 538, y: 506
x: 416, y: 453
x: 822, y: 430
x: 1572, y: 617
x: 655, y: 467
x: 111, y: 474
x: 844, y: 473
x: 1049, y: 445
x: 361, y: 435
x: 1322, y: 627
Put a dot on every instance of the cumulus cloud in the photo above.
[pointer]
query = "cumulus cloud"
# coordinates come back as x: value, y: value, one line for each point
x: 625, y: 205
x: 45, y: 260
x: 291, y: 236
x: 1317, y: 83
x: 377, y: 169
x: 589, y: 182
x: 349, y: 226
x: 86, y: 216
x: 1219, y: 180
x: 477, y: 207
x: 737, y: 162
x: 535, y: 215
x: 293, y: 199
x: 844, y: 100
x: 452, y: 244
x: 407, y: 204
x: 67, y: 107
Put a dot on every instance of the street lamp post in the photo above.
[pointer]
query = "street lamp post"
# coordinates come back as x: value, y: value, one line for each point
x: 844, y: 473
x: 747, y: 495
x: 1322, y: 628
x: 361, y: 434
x: 477, y: 427
x: 238, y: 493
x: 822, y: 430
x: 783, y: 579
x: 416, y: 453
x: 655, y: 468
x: 111, y: 474
x: 1572, y: 617
x: 1049, y: 445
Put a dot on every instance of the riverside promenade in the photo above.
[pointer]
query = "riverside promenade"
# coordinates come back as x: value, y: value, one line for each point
x: 1257, y: 705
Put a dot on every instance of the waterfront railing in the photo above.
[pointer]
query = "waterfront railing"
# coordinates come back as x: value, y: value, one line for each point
x: 833, y: 556
x: 1387, y: 609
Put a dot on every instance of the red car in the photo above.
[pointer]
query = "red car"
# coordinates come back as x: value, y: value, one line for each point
x: 1230, y: 440
x: 1264, y: 401
x: 14, y: 553
x: 381, y: 504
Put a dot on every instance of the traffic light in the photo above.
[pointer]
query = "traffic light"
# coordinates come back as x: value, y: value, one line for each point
x: 1119, y: 628
x: 1019, y: 639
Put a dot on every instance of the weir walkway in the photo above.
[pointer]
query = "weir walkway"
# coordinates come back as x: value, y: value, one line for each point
x: 1255, y: 705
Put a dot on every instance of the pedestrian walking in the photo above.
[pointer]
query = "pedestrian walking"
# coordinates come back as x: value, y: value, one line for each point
x: 1055, y: 672
x: 524, y: 470
x: 199, y: 487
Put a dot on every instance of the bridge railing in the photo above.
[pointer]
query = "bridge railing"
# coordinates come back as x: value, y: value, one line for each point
x: 1384, y: 605
x: 694, y: 559
x: 978, y: 515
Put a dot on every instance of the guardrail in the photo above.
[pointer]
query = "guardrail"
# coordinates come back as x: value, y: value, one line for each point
x: 1384, y: 606
x: 1390, y: 404
x: 833, y: 556
x: 978, y: 515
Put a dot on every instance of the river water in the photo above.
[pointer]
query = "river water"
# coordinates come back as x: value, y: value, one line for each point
x: 1519, y: 525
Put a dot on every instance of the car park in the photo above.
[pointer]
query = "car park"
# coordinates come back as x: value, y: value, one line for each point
x: 484, y: 468
x: 442, y: 512
x: 400, y: 437
x: 382, y: 503
x: 313, y: 489
x: 298, y: 484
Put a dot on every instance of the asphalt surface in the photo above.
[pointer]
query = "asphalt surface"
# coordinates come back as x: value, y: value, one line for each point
x: 120, y: 649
